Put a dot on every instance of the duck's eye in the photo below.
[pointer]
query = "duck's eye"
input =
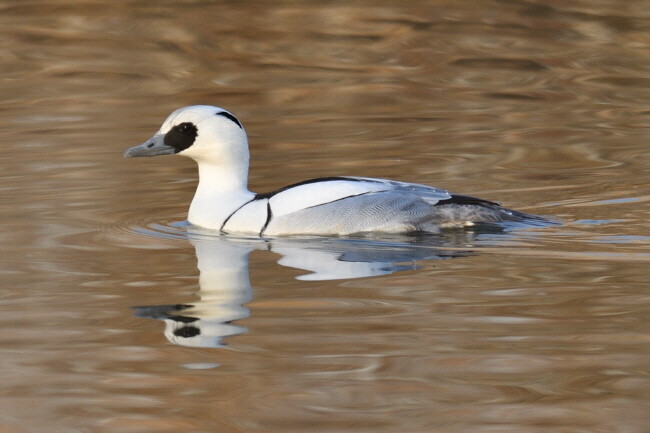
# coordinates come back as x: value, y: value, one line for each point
x: 181, y: 136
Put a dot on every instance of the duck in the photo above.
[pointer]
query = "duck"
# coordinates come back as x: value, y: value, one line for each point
x: 332, y: 206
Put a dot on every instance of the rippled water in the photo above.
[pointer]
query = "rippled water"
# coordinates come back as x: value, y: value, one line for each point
x: 118, y: 317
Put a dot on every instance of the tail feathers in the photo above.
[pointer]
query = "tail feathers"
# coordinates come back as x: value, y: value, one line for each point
x: 478, y: 210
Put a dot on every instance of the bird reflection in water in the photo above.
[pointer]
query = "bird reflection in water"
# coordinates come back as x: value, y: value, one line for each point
x: 225, y: 288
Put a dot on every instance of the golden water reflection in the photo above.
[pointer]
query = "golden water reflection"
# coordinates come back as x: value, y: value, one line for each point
x: 539, y: 105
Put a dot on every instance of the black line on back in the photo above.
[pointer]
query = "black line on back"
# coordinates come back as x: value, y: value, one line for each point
x: 229, y: 116
x: 270, y: 194
x: 339, y: 199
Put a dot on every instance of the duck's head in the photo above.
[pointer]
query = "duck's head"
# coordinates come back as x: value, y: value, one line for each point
x: 202, y: 132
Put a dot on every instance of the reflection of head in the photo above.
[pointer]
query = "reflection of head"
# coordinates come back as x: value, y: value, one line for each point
x: 185, y: 329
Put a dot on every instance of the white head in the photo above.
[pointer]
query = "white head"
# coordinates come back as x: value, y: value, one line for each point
x: 209, y: 135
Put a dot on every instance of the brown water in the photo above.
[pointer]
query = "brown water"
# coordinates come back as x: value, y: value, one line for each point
x: 542, y: 105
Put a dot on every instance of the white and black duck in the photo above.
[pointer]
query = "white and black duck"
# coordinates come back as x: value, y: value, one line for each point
x: 340, y: 205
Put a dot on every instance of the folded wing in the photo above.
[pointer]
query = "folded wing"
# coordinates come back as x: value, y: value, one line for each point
x: 317, y: 192
x: 351, y: 205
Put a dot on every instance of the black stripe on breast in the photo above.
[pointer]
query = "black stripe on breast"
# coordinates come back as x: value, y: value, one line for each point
x: 234, y: 212
x: 467, y: 200
x: 306, y: 182
x: 269, y: 215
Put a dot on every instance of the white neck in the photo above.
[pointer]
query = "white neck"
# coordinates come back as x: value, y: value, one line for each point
x: 222, y: 189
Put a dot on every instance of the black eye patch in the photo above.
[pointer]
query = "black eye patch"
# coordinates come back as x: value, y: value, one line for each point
x: 231, y: 117
x: 181, y: 136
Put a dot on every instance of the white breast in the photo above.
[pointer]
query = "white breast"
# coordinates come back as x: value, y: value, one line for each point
x: 251, y: 218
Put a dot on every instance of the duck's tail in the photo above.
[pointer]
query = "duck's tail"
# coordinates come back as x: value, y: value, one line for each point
x: 479, y: 211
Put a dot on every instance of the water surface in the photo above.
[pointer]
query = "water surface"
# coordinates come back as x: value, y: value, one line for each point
x: 117, y: 316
